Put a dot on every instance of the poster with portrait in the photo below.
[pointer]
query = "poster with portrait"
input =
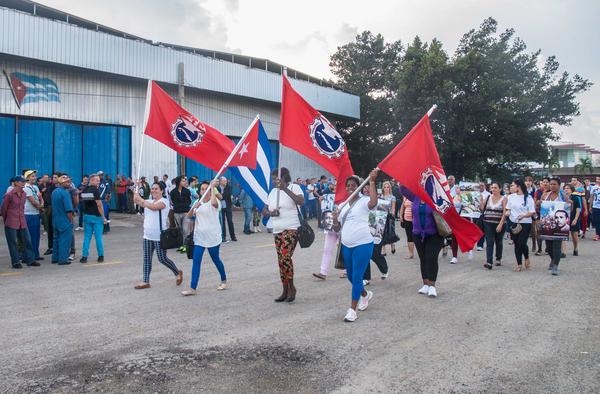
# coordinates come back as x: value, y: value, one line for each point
x: 377, y: 220
x: 554, y: 220
x: 470, y: 204
x: 327, y: 207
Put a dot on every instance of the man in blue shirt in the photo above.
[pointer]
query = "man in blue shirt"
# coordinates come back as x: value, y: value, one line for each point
x: 62, y: 221
x: 105, y: 188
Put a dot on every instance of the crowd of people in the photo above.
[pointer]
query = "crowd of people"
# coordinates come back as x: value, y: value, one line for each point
x: 359, y: 231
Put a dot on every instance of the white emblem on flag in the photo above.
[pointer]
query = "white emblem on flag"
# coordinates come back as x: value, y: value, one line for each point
x: 435, y: 184
x: 187, y: 131
x: 326, y: 138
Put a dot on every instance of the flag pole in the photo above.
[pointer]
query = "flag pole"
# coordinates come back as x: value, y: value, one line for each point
x: 433, y: 108
x: 231, y: 155
x: 146, y: 116
x: 279, y: 155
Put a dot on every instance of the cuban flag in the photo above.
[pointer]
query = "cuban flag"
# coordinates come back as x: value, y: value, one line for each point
x: 32, y: 89
x: 257, y: 182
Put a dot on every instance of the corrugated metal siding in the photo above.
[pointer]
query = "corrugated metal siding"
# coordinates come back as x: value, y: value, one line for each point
x: 101, y: 98
x: 68, y: 149
x: 7, y: 152
x: 37, y: 134
x: 124, y: 151
x: 53, y: 41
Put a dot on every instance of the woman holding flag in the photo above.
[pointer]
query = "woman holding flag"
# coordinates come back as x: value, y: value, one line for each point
x: 282, y: 207
x: 352, y: 221
x: 207, y: 235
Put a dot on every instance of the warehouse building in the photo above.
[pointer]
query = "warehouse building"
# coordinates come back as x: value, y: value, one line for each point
x: 77, y: 98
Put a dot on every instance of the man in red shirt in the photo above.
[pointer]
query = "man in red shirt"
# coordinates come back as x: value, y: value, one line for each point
x: 15, y: 225
x: 121, y: 194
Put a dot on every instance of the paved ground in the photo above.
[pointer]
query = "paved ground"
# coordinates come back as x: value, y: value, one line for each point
x: 83, y: 328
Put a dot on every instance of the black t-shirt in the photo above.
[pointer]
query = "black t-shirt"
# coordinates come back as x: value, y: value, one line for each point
x: 47, y: 195
x: 89, y: 196
x: 575, y: 204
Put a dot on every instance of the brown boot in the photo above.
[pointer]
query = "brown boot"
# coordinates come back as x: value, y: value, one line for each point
x: 284, y: 294
x: 291, y: 291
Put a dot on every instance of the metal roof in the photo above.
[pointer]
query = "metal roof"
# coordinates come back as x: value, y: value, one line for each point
x: 32, y: 30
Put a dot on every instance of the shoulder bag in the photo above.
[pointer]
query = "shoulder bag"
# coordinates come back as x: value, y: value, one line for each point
x: 442, y: 226
x: 306, y: 235
x: 170, y: 238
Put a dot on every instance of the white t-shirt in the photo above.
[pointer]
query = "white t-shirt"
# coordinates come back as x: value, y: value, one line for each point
x: 355, y: 226
x: 151, y: 222
x: 288, y: 214
x: 517, y: 206
x: 309, y: 191
x: 207, y: 231
x: 31, y: 191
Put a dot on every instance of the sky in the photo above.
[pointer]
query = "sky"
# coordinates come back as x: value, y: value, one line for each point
x: 304, y: 34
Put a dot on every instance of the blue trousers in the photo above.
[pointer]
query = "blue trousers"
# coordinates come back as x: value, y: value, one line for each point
x: 62, y: 244
x: 106, y: 208
x: 247, y: 219
x: 33, y: 225
x: 356, y: 260
x: 197, y: 262
x: 11, y: 239
x: 92, y: 224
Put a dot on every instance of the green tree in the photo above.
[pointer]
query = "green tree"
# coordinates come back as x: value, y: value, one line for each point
x: 365, y: 67
x: 584, y: 166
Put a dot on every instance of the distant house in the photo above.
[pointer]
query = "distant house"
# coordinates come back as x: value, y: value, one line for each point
x: 569, y: 155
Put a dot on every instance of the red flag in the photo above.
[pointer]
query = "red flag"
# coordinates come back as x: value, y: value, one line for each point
x: 246, y: 154
x: 415, y: 163
x: 175, y: 127
x: 308, y: 132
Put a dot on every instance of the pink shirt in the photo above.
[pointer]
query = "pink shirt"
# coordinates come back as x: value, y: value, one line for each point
x: 13, y: 209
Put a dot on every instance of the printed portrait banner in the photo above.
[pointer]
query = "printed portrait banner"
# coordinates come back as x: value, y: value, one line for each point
x: 470, y: 204
x: 327, y: 207
x: 554, y: 220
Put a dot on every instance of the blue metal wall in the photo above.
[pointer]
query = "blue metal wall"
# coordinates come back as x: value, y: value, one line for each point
x: 47, y: 146
x: 7, y: 152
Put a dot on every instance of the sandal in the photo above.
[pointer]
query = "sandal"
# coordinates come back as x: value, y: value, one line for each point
x: 518, y: 268
x: 527, y: 264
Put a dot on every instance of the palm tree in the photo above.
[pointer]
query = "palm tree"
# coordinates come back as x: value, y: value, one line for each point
x: 553, y: 163
x: 585, y: 165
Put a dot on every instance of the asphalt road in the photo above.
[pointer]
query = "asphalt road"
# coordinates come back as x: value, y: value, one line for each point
x: 83, y: 328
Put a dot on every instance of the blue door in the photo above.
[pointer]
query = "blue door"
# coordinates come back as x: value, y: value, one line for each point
x: 124, y: 151
x: 35, y: 146
x: 7, y: 152
x: 68, y: 154
x: 100, y: 152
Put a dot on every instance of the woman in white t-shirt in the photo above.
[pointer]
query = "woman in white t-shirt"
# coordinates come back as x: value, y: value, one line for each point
x: 207, y: 235
x: 156, y: 208
x: 352, y: 221
x: 519, y: 210
x: 285, y: 227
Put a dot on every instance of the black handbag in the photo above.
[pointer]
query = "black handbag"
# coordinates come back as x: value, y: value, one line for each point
x: 389, y: 232
x: 189, y: 245
x: 170, y: 238
x: 306, y: 235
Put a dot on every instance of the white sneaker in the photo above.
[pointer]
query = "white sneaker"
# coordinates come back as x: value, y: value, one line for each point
x: 363, y: 302
x: 424, y: 289
x: 222, y: 286
x: 470, y: 254
x: 479, y: 248
x: 453, y: 260
x: 384, y: 276
x: 188, y: 292
x: 432, y: 292
x: 366, y: 282
x: 78, y: 228
x: 350, y: 315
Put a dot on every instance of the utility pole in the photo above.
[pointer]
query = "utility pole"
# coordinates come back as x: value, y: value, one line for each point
x: 180, y: 99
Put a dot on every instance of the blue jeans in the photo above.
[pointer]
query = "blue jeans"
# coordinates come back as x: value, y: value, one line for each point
x: 62, y: 244
x: 247, y: 219
x: 92, y: 224
x: 197, y: 262
x: 356, y: 260
x: 312, y: 208
x: 11, y: 240
x: 33, y: 225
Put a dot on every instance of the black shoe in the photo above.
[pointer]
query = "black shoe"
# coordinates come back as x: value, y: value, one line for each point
x: 234, y: 239
x: 562, y: 255
x: 54, y: 262
x: 17, y: 266
x: 83, y: 260
x: 575, y: 253
x: 488, y: 266
x: 224, y: 240
x: 64, y: 262
x: 40, y: 258
x: 48, y: 252
x: 33, y: 264
x: 100, y: 259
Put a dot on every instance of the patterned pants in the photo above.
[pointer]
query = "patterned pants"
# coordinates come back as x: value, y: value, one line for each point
x: 149, y: 247
x: 285, y: 244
